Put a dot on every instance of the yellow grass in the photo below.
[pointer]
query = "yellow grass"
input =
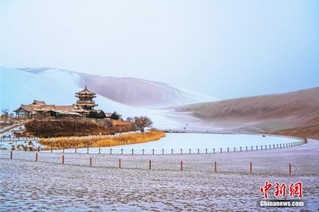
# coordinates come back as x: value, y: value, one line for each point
x: 101, y: 141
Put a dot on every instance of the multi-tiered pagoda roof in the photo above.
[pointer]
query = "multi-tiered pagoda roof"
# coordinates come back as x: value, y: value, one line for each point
x: 85, y: 99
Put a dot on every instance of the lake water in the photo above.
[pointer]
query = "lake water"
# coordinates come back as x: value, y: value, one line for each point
x: 192, y: 142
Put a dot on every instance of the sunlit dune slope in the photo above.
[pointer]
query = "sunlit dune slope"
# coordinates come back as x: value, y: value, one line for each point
x: 294, y: 113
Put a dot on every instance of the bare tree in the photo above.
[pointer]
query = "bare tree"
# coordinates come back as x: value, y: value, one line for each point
x: 142, y: 122
x: 5, y: 115
x: 130, y: 119
x: 5, y: 112
x: 115, y: 116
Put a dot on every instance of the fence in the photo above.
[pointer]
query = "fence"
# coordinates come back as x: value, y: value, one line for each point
x: 187, y: 163
x: 116, y: 151
x: 18, y: 139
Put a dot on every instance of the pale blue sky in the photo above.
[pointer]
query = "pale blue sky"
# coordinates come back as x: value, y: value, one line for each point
x: 226, y: 48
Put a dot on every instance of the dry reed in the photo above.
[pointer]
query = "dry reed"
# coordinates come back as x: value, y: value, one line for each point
x: 101, y: 141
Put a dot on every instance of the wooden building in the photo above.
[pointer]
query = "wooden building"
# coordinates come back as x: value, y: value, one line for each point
x: 30, y: 110
x: 83, y: 107
x: 86, y: 99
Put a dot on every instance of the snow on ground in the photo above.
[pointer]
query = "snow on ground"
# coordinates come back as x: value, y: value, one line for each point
x: 8, y: 138
x: 29, y: 185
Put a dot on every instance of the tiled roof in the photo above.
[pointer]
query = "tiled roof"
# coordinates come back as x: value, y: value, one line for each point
x: 85, y: 92
x: 38, y: 102
x: 63, y: 108
x: 41, y: 106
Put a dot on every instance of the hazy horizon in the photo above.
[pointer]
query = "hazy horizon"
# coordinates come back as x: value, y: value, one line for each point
x: 225, y: 49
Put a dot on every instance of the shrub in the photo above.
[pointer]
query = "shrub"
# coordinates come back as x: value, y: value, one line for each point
x: 76, y: 127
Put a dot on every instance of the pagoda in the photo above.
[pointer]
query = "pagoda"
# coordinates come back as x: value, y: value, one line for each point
x: 85, y: 99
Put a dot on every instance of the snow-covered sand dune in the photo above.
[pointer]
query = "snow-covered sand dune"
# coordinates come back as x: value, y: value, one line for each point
x: 114, y: 94
x: 58, y: 87
x: 30, y: 185
x: 294, y: 113
x: 140, y: 92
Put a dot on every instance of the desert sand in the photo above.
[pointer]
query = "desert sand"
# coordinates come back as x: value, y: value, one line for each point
x: 293, y: 114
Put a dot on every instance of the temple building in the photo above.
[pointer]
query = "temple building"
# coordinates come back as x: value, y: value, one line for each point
x: 85, y: 99
x: 84, y: 107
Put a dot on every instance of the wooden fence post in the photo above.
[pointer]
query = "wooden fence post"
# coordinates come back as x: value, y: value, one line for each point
x: 215, y: 167
x: 181, y: 151
x: 150, y: 164
x: 143, y: 151
x: 172, y: 151
x: 121, y: 151
x: 162, y: 151
x: 190, y: 151
x: 251, y: 168
x: 181, y: 165
x: 90, y: 162
x: 132, y: 151
x: 62, y: 159
x: 87, y: 151
x: 11, y: 155
x: 153, y: 151
x: 206, y: 150
x: 221, y: 150
x: 36, y: 157
x: 120, y: 163
x: 213, y: 150
x: 227, y: 149
x: 289, y: 170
